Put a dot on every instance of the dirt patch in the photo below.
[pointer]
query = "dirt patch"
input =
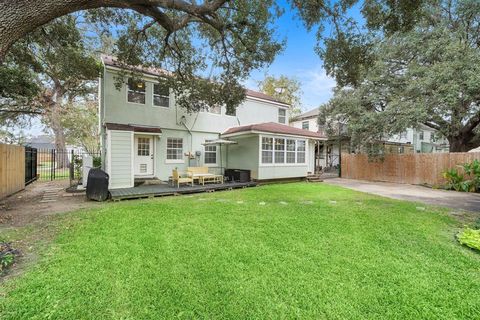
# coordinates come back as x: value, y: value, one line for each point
x: 29, y: 219
x: 40, y: 201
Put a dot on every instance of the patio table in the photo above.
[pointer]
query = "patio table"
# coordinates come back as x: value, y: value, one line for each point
x: 208, y: 177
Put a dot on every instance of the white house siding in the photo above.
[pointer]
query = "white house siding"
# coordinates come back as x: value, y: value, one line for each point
x: 312, y: 124
x: 118, y: 110
x: 120, y: 158
x: 244, y: 154
x: 191, y: 144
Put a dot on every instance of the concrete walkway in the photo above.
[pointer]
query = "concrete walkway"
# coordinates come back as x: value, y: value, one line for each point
x: 443, y: 198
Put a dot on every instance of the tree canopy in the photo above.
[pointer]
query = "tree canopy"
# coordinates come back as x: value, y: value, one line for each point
x: 426, y: 73
x: 284, y: 89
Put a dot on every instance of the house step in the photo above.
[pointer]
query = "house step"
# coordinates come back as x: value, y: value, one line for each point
x: 314, y: 178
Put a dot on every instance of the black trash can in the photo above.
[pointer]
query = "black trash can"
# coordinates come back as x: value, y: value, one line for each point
x: 97, y: 185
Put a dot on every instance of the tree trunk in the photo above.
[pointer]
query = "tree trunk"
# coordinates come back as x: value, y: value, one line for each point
x: 460, y: 144
x: 60, y: 144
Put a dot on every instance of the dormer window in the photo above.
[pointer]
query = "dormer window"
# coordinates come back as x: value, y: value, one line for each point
x: 282, y: 116
x: 161, y: 95
x: 136, y: 91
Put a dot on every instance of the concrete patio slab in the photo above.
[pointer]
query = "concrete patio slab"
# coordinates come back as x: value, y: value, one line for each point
x: 443, y: 198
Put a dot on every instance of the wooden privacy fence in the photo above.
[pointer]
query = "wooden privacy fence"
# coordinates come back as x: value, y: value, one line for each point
x: 419, y: 168
x: 12, y: 169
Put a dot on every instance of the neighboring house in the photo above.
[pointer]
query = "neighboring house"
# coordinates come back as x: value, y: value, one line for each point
x: 420, y: 140
x: 144, y: 134
x: 46, y: 142
x: 423, y: 139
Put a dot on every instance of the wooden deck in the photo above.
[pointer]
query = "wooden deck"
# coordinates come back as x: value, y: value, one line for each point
x: 150, y: 191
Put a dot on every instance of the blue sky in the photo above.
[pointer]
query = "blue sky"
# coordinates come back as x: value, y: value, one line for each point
x: 298, y: 61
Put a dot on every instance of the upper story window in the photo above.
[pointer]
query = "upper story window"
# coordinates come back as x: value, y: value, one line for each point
x: 420, y: 135
x: 403, y: 135
x: 174, y: 149
x: 210, y: 155
x: 161, y: 95
x: 282, y: 116
x: 432, y: 137
x: 306, y: 125
x: 136, y: 91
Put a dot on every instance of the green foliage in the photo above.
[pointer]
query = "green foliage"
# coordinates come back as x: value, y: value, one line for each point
x: 466, y: 181
x: 284, y: 89
x: 470, y: 238
x: 428, y: 73
x: 455, y: 180
x: 7, y: 255
x: 223, y: 48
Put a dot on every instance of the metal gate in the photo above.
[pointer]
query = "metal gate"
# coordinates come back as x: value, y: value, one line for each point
x: 53, y: 164
x: 30, y: 165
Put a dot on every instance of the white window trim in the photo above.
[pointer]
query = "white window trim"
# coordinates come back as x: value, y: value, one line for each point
x: 285, y: 117
x: 153, y: 97
x: 285, y: 164
x: 216, y: 157
x: 173, y: 160
x: 136, y: 103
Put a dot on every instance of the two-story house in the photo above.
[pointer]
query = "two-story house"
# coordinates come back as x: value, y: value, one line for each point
x: 145, y: 135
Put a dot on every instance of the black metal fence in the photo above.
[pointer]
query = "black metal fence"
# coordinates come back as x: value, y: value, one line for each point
x: 53, y: 164
x: 30, y: 165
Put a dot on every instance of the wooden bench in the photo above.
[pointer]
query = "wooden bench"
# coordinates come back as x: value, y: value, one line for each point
x: 202, y: 175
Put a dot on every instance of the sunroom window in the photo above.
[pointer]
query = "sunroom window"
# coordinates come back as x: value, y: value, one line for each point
x: 279, y: 150
x: 267, y: 150
x: 290, y: 151
x: 300, y: 151
x: 136, y: 91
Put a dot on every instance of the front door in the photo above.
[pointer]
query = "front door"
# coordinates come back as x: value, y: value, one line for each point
x: 144, y: 155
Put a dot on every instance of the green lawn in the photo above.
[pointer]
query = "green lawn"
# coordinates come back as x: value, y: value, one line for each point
x: 225, y: 255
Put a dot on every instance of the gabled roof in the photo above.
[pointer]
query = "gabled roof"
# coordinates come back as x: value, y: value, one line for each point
x: 272, y: 127
x: 113, y: 62
x: 308, y: 115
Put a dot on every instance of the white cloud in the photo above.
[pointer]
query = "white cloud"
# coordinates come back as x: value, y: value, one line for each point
x: 316, y: 85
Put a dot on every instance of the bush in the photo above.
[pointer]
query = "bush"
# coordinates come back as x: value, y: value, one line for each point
x: 7, y: 255
x: 470, y: 238
x: 468, y: 181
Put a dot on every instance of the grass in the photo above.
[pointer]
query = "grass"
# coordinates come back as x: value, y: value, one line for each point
x: 327, y: 253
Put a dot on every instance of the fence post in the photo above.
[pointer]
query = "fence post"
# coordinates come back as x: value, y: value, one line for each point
x: 72, y: 165
x: 52, y: 175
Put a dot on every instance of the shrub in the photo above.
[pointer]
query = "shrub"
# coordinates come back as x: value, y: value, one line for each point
x: 455, y: 180
x: 470, y: 238
x: 468, y: 181
x: 7, y: 255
